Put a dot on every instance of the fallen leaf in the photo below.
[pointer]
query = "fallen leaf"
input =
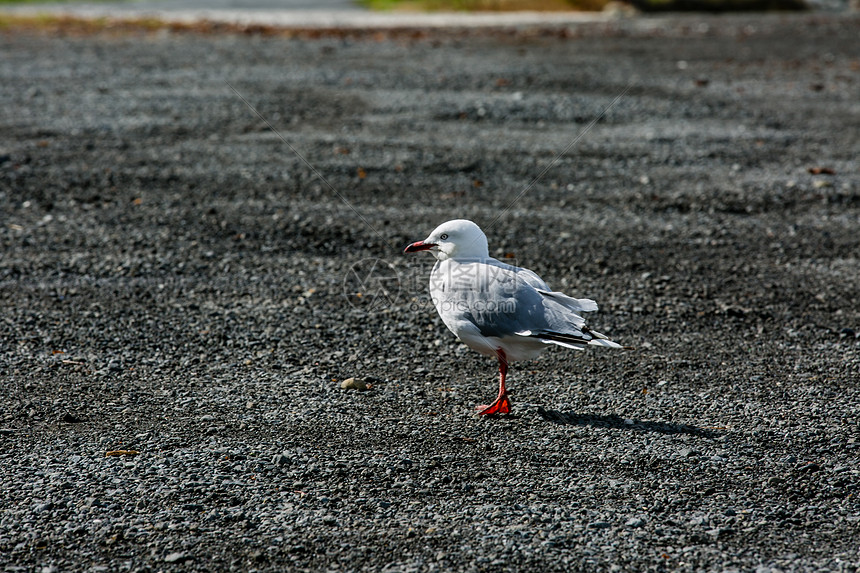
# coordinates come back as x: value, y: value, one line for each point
x: 361, y: 173
x: 821, y: 171
x: 121, y: 453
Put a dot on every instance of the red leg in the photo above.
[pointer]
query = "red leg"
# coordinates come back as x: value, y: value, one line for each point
x: 502, y: 405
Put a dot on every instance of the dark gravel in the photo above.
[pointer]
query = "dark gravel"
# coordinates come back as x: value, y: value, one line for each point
x: 179, y: 303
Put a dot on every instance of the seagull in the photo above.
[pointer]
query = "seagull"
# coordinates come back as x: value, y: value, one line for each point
x: 498, y: 309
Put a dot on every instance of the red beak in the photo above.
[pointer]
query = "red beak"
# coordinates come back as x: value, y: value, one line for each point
x: 419, y: 246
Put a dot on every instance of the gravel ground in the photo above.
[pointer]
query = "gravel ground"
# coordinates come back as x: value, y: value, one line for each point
x: 179, y: 299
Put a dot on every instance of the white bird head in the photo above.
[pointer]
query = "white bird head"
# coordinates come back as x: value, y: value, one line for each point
x: 457, y: 239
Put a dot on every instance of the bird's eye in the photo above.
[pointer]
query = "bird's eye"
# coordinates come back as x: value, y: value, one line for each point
x: 443, y: 236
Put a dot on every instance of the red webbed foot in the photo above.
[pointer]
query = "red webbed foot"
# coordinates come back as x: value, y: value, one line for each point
x: 501, y: 406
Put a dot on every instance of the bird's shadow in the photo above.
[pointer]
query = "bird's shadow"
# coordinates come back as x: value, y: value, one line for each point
x: 617, y: 422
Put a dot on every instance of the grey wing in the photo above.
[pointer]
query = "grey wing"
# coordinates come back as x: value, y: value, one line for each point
x: 564, y: 326
x: 510, y: 300
x: 502, y: 300
x: 530, y: 278
x: 553, y: 317
x: 510, y: 306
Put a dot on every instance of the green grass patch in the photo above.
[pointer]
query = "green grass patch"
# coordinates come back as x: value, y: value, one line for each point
x: 483, y: 5
x: 71, y: 25
x: 567, y: 5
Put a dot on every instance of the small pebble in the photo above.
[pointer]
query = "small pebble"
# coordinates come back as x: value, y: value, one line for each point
x: 176, y: 557
x: 354, y: 384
